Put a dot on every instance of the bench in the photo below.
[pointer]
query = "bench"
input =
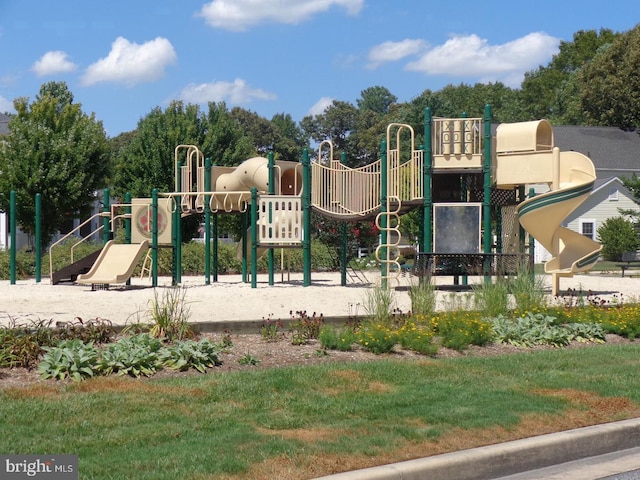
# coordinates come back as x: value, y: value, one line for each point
x: 629, y: 260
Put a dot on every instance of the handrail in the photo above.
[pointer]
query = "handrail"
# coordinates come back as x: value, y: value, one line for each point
x: 69, y: 234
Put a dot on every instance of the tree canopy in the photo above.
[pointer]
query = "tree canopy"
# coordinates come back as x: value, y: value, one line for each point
x: 54, y: 149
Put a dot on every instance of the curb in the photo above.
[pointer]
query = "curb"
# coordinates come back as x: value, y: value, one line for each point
x: 493, y: 461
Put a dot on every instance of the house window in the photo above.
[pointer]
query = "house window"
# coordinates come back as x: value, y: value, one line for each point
x: 588, y: 228
x: 613, y: 194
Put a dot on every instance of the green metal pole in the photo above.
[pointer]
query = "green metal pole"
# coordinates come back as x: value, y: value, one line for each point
x: 486, y: 201
x: 254, y: 237
x: 343, y: 237
x: 427, y: 206
x: 177, y: 229
x: 13, y: 224
x: 306, y: 218
x: 384, y: 234
x: 154, y: 237
x: 272, y: 191
x: 343, y: 254
x: 127, y: 222
x: 214, y: 234
x: 532, y: 243
x: 106, y: 227
x: 38, y: 237
x: 127, y: 218
x: 207, y: 222
x: 244, y: 219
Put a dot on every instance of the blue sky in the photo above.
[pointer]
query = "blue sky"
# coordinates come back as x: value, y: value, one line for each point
x: 122, y: 58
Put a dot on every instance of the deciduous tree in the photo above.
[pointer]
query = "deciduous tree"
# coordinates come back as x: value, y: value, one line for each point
x: 55, y: 149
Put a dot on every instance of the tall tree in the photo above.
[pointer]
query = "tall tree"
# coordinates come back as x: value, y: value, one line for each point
x: 550, y: 91
x: 336, y: 124
x: 290, y: 140
x: 610, y: 86
x: 54, y: 149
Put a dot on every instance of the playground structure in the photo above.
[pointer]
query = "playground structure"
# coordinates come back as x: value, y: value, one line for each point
x: 468, y: 184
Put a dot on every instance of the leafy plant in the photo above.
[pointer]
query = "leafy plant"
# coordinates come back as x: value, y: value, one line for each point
x: 271, y: 330
x: 539, y: 329
x: 423, y: 298
x: 458, y: 330
x: 188, y: 354
x: 170, y: 314
x: 379, y: 304
x: 71, y: 358
x: 527, y: 290
x: 305, y: 328
x: 136, y: 355
x: 249, y: 359
x: 491, y: 298
x: 333, y: 338
x: 376, y: 337
x: 97, y: 330
x: 417, y: 338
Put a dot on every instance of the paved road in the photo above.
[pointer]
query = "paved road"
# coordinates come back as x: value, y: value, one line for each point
x: 622, y: 465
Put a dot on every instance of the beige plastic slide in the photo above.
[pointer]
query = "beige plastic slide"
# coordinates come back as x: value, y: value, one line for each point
x: 115, y: 264
x: 527, y: 159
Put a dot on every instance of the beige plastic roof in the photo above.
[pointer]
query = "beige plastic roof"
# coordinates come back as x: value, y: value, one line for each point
x: 524, y: 137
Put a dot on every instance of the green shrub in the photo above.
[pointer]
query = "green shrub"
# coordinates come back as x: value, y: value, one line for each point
x: 191, y: 354
x: 71, y: 358
x: 617, y: 235
x: 376, y: 337
x: 136, y: 355
x: 334, y: 338
x: 458, y: 330
x: 417, y: 338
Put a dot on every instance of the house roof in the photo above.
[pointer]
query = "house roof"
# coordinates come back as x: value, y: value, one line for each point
x: 4, y: 124
x: 609, y: 148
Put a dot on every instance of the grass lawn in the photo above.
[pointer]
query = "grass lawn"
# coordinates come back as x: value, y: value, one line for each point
x: 302, y: 422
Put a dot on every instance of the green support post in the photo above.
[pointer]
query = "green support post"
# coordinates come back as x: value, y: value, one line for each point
x: 486, y: 202
x: 154, y: 237
x: 106, y: 227
x: 384, y: 234
x: 38, y: 238
x: 13, y: 224
x: 127, y: 222
x: 532, y: 244
x: 214, y: 234
x: 127, y: 218
x: 306, y: 218
x: 207, y: 222
x: 343, y: 238
x: 244, y: 220
x: 177, y: 232
x: 254, y: 237
x: 272, y: 191
x: 343, y: 254
x: 427, y: 204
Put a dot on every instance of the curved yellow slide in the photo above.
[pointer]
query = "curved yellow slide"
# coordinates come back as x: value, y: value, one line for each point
x: 542, y: 216
x: 526, y: 155
x: 115, y: 264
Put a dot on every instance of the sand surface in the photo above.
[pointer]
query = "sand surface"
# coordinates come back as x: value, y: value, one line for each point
x: 230, y: 299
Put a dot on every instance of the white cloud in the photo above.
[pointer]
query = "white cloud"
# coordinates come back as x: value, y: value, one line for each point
x: 52, y: 63
x: 394, y: 51
x: 320, y: 106
x: 238, y: 15
x: 6, y: 105
x: 130, y: 63
x: 235, y: 93
x: 472, y: 56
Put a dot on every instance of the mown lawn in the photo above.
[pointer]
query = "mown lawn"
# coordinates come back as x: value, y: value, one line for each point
x: 303, y: 422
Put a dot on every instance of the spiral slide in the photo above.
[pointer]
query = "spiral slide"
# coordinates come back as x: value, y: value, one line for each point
x: 571, y: 176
